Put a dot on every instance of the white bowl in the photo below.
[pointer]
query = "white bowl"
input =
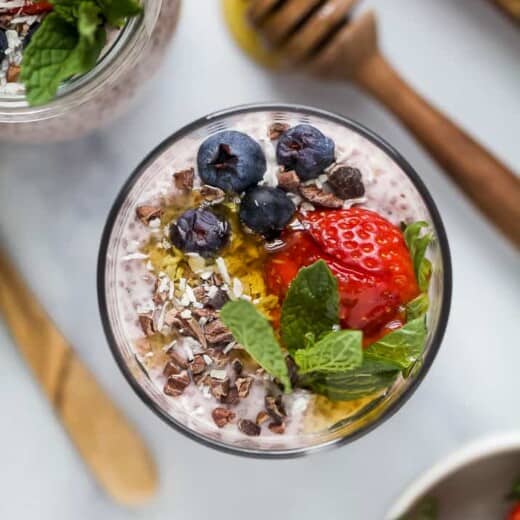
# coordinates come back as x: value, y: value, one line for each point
x: 471, y: 483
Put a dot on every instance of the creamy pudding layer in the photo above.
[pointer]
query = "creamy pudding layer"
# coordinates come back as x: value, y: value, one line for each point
x: 131, y: 273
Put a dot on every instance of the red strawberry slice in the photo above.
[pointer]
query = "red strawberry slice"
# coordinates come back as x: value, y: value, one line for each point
x: 362, y: 239
x: 375, y: 275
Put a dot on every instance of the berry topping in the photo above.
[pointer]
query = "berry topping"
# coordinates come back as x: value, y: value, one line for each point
x: 266, y: 210
x: 231, y: 161
x: 305, y: 150
x: 365, y: 252
x: 199, y: 231
x: 346, y: 182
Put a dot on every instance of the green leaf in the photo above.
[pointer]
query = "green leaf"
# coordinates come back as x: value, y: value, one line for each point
x: 417, y: 307
x: 88, y: 20
x: 514, y: 494
x: 311, y: 305
x: 55, y: 53
x: 351, y: 385
x: 116, y: 11
x: 417, y: 245
x: 336, y: 352
x: 255, y: 334
x: 401, y: 348
x: 427, y: 509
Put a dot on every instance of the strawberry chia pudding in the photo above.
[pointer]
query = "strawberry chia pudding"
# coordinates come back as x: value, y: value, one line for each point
x: 271, y: 276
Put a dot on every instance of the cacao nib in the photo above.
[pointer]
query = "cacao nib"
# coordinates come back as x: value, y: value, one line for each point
x: 222, y: 416
x: 178, y: 358
x: 198, y: 365
x: 243, y: 385
x: 216, y: 333
x: 249, y: 427
x: 277, y: 427
x: 170, y: 369
x: 232, y: 397
x: 183, y: 179
x: 218, y: 300
x: 275, y: 408
x: 346, y: 182
x: 288, y: 180
x: 176, y: 384
x: 147, y: 325
x: 147, y: 213
x: 262, y: 417
x: 276, y: 130
x: 219, y: 388
x: 320, y: 197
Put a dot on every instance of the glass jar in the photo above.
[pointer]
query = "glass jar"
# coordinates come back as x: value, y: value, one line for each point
x: 329, y: 424
x: 97, y: 97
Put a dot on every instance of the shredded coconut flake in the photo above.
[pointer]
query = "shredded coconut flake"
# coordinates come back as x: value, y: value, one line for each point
x: 221, y: 265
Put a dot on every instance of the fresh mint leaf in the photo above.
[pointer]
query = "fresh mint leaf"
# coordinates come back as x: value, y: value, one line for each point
x: 417, y: 245
x: 417, y: 307
x: 88, y: 21
x: 427, y: 509
x: 311, y: 305
x: 55, y: 53
x: 117, y: 11
x: 337, y: 352
x: 514, y: 494
x: 351, y: 385
x: 401, y: 348
x: 255, y: 334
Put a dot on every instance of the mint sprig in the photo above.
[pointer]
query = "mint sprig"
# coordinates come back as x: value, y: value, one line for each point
x: 401, y: 348
x: 332, y: 362
x: 255, y: 334
x: 68, y: 43
x: 349, y: 385
x: 336, y: 352
x: 311, y: 305
x: 417, y: 244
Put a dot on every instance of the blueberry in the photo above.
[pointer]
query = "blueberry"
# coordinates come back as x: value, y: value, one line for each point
x: 199, y: 231
x: 266, y: 210
x: 305, y: 150
x: 4, y: 44
x: 231, y: 161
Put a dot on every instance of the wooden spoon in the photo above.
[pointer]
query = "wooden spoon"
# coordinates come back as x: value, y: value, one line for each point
x: 323, y: 38
x: 109, y: 445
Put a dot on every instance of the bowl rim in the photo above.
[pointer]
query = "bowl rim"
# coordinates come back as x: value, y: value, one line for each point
x: 441, y: 237
x: 480, y: 449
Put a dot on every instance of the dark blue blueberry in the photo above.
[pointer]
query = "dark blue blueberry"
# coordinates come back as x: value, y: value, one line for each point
x: 199, y: 231
x: 266, y: 210
x: 305, y: 150
x: 30, y: 33
x: 231, y: 161
x: 3, y: 44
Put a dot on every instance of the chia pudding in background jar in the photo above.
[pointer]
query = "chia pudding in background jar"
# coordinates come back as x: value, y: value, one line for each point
x: 274, y: 279
x: 86, y: 102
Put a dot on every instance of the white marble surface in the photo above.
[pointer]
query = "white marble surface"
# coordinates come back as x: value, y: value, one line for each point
x: 53, y: 203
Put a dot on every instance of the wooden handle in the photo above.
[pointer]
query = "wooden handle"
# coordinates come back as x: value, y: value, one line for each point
x: 489, y: 184
x: 110, y: 447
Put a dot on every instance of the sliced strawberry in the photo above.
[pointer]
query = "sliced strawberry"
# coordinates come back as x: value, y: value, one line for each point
x: 362, y: 239
x: 370, y: 298
x: 514, y: 513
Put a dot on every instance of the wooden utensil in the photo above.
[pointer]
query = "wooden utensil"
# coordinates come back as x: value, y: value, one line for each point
x: 323, y: 38
x: 109, y: 445
x: 510, y: 7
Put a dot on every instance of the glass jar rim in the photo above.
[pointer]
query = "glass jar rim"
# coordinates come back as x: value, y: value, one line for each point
x: 441, y: 236
x: 73, y: 92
